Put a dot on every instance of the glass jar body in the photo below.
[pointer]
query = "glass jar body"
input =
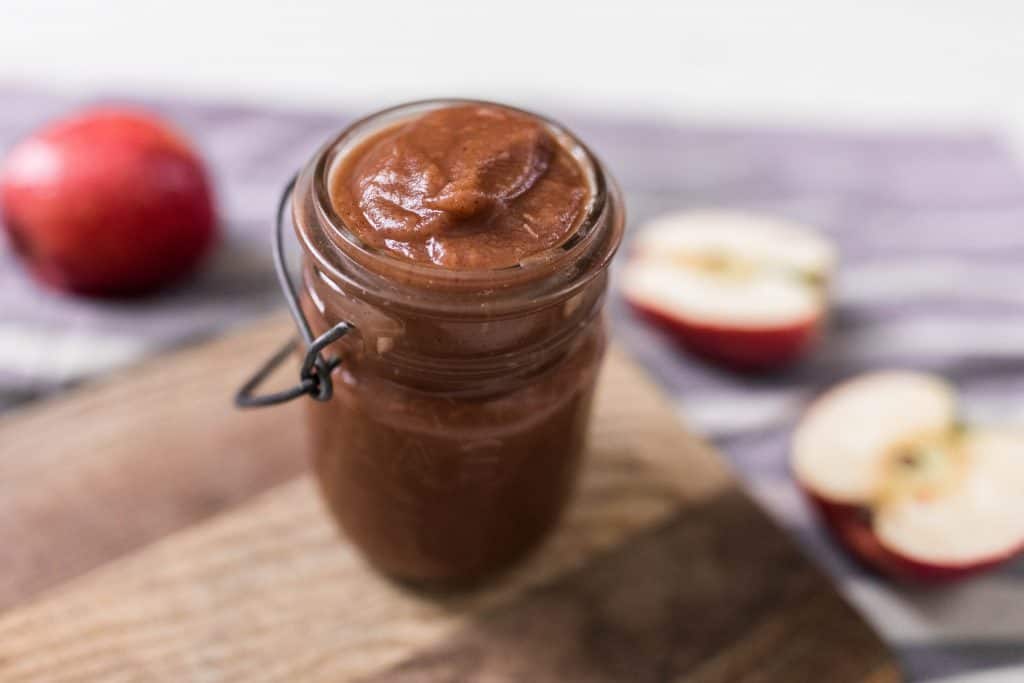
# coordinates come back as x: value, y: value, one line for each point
x: 439, y: 487
x: 460, y: 410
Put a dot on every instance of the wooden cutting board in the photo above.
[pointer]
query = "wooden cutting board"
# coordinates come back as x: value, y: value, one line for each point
x: 153, y: 533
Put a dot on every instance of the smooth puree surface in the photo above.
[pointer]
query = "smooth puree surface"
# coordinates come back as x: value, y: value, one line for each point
x: 466, y: 187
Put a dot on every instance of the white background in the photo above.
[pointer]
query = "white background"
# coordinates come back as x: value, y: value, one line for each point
x: 868, y: 63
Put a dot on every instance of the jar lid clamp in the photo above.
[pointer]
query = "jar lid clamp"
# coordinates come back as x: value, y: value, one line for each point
x: 315, y: 372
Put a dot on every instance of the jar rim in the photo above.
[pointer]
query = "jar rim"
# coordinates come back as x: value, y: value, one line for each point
x: 328, y: 161
x: 339, y: 245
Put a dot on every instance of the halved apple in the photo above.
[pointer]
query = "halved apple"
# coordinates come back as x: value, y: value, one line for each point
x: 906, y: 488
x: 747, y: 291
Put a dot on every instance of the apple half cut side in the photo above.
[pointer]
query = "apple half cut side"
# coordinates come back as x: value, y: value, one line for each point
x: 905, y: 488
x: 746, y: 291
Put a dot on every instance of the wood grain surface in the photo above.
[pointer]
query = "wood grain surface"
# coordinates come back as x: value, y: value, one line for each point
x: 739, y: 607
x: 663, y: 569
x: 97, y: 473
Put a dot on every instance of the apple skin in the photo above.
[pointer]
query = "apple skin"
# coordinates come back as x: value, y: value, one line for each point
x: 742, y: 349
x: 850, y: 524
x: 109, y: 202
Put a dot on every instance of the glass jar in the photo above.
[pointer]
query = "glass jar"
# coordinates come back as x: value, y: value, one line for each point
x: 454, y: 434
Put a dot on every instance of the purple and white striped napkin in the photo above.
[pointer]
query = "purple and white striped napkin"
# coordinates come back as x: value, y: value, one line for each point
x: 931, y: 232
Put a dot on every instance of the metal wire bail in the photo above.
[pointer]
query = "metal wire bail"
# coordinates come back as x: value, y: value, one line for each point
x: 315, y: 371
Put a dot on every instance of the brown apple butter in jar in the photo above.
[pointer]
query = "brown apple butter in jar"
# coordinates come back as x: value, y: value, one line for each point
x: 467, y: 244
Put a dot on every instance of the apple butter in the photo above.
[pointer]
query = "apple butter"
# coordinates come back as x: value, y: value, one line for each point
x: 468, y: 245
x: 470, y: 186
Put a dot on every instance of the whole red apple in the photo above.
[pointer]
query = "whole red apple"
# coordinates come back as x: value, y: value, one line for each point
x: 109, y: 202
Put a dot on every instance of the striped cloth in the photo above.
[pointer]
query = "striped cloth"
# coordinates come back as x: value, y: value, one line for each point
x: 931, y: 230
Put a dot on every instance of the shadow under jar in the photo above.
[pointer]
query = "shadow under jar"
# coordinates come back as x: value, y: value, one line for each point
x: 462, y: 400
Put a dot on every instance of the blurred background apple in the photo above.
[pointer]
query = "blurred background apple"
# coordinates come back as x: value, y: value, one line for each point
x: 107, y: 202
x: 748, y: 292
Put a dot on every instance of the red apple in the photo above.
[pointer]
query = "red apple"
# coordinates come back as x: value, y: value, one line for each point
x: 108, y: 202
x: 905, y: 488
x: 747, y: 291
